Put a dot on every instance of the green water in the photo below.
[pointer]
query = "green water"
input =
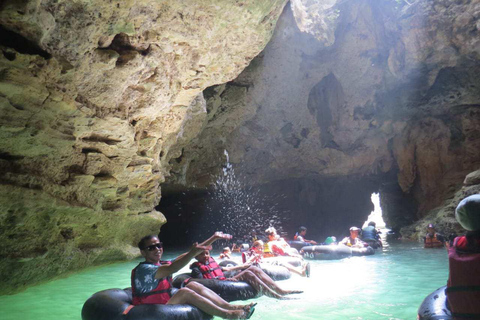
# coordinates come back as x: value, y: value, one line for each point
x: 389, y: 285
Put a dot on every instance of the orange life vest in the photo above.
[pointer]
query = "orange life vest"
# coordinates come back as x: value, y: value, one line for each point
x: 433, y: 242
x: 463, y: 286
x: 211, y: 270
x: 160, y: 295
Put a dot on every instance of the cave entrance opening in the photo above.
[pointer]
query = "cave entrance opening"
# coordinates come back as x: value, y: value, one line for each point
x: 376, y: 214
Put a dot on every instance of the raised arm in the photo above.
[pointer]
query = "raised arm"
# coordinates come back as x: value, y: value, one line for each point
x: 217, y: 235
x: 180, y: 261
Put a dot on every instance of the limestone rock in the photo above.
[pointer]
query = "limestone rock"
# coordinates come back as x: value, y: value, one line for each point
x: 393, y: 96
x: 96, y: 97
x: 472, y: 178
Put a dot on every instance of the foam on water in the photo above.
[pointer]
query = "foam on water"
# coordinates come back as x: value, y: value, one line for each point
x: 389, y: 285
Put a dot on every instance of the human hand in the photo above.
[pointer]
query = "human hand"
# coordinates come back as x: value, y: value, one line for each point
x: 232, y: 279
x: 196, y: 248
x: 221, y: 235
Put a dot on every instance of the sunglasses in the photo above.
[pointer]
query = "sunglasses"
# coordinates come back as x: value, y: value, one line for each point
x: 154, y: 246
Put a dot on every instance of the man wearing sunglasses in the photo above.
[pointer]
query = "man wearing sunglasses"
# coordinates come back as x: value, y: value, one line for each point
x: 152, y: 281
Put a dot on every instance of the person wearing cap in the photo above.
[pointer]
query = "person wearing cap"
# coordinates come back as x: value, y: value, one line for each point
x: 152, y: 281
x: 463, y: 286
x: 433, y: 239
x: 353, y: 240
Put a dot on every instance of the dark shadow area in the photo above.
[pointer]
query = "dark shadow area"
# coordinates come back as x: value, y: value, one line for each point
x: 326, y: 207
x: 21, y: 44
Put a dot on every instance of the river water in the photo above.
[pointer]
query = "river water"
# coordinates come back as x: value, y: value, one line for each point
x: 389, y: 285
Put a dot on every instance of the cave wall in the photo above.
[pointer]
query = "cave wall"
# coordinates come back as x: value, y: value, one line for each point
x: 353, y: 88
x: 96, y: 97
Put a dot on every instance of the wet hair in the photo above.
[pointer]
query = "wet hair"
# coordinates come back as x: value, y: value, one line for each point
x: 372, y: 223
x: 302, y: 228
x: 144, y: 240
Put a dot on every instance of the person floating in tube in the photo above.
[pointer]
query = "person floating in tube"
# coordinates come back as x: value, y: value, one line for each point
x: 353, y: 240
x: 152, y: 281
x: 207, y: 268
x: 278, y: 245
x: 371, y: 235
x: 300, y: 236
x: 255, y: 257
x: 463, y: 286
x: 226, y: 253
x: 433, y: 239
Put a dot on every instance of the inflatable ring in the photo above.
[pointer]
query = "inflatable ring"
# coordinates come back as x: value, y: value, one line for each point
x: 116, y: 304
x: 367, y: 251
x: 228, y: 290
x: 329, y: 252
x: 274, y: 271
x: 298, y: 244
x: 375, y: 244
x: 282, y: 260
x: 434, y: 306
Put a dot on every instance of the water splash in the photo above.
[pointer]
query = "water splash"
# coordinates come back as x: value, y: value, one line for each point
x: 237, y: 209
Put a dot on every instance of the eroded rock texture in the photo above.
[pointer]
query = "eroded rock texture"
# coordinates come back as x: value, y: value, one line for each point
x: 374, y: 89
x: 96, y: 97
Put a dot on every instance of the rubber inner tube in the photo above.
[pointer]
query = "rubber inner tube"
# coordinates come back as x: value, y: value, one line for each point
x: 367, y: 251
x: 228, y: 290
x: 298, y: 244
x: 276, y: 272
x: 326, y: 252
x: 112, y: 303
x: 434, y: 306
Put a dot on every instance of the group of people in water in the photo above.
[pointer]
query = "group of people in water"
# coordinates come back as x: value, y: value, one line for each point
x: 152, y: 279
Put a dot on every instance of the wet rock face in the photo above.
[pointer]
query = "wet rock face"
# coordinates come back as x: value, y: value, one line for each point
x: 378, y: 90
x: 96, y: 97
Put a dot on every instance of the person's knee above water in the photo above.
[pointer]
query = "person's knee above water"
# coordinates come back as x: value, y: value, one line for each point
x: 463, y: 286
x: 433, y: 239
x: 300, y: 236
x: 207, y: 268
x: 353, y: 240
x: 152, y: 281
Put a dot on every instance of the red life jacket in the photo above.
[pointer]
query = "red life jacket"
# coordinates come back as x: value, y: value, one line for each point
x: 463, y: 286
x: 211, y: 270
x: 159, y: 295
x: 433, y: 242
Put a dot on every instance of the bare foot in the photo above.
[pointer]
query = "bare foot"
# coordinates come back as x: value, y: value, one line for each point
x: 242, y: 306
x: 293, y: 291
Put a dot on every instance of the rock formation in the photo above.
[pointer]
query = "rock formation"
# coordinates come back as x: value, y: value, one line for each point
x: 106, y: 106
x: 95, y: 96
x: 383, y: 91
